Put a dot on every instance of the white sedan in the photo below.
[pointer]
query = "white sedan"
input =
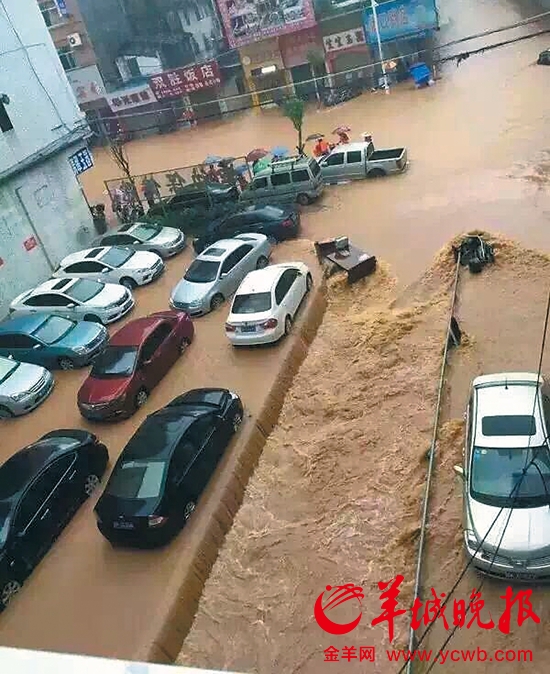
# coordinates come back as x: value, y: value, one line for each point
x: 266, y: 303
x: 113, y: 264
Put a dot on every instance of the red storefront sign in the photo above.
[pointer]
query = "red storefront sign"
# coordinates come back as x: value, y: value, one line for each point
x: 181, y: 81
x: 30, y: 243
x: 296, y: 47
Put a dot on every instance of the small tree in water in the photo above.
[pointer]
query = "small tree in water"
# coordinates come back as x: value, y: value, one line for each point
x: 294, y: 110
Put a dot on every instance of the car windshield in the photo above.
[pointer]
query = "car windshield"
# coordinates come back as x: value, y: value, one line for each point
x: 137, y: 479
x: 272, y: 213
x: 251, y: 304
x: 116, y: 257
x: 496, y: 478
x: 202, y: 271
x: 53, y: 329
x: 145, y: 232
x: 115, y: 361
x: 7, y: 368
x: 84, y: 290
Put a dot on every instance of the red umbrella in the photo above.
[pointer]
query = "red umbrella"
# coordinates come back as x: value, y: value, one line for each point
x: 341, y: 129
x: 258, y: 153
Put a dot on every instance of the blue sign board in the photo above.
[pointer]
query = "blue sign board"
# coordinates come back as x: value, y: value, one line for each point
x: 81, y: 161
x: 61, y: 6
x: 401, y: 19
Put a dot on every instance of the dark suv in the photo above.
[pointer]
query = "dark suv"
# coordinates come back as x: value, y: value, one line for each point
x: 202, y: 196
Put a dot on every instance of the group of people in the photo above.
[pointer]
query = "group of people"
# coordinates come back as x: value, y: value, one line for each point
x: 322, y: 148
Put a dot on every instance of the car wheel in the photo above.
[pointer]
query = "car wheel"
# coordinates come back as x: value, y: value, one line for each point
x: 475, y: 265
x: 5, y: 413
x: 288, y: 325
x: 92, y: 318
x: 66, y: 364
x: 376, y: 173
x: 141, y: 398
x: 91, y: 483
x: 184, y: 344
x: 189, y: 510
x: 309, y: 282
x: 262, y: 262
x: 237, y: 421
x: 128, y: 283
x: 302, y: 199
x: 216, y: 301
x: 8, y: 591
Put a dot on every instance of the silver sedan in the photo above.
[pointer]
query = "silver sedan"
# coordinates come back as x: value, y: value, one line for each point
x: 22, y: 387
x: 164, y: 241
x: 216, y: 273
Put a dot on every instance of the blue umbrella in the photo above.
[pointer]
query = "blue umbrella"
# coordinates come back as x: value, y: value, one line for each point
x: 279, y: 151
x: 212, y: 159
x: 239, y: 170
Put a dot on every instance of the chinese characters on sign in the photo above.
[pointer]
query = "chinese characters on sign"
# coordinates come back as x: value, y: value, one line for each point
x: 174, y: 83
x: 130, y: 98
x: 349, y: 653
x: 30, y: 243
x: 400, y: 19
x: 464, y: 613
x: 81, y: 161
x: 344, y: 40
x: 62, y: 7
x: 87, y: 84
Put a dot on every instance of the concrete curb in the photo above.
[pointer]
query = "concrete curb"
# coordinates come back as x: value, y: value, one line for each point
x: 223, y: 498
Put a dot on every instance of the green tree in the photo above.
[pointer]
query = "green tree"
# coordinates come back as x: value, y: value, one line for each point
x: 294, y: 109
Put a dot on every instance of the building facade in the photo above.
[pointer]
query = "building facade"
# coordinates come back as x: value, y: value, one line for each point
x: 43, y: 213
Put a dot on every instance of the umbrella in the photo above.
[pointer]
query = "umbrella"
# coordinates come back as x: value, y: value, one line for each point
x: 256, y: 154
x: 262, y: 163
x: 212, y: 159
x: 315, y: 136
x: 341, y: 129
x: 227, y: 160
x: 241, y: 170
x: 279, y: 151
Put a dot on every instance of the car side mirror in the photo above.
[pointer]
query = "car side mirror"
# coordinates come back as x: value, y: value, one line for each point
x: 459, y: 471
x: 36, y: 346
x: 224, y: 274
x: 71, y: 306
x: 10, y: 356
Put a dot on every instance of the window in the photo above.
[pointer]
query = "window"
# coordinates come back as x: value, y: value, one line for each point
x: 146, y: 232
x: 260, y: 183
x: 354, y: 157
x: 117, y: 257
x: 300, y: 176
x: 335, y: 159
x: 50, y: 12
x: 200, y: 430
x: 235, y: 257
x: 66, y: 56
x: 22, y: 342
x: 118, y: 240
x: 280, y: 179
x: 283, y: 286
x: 5, y: 121
x: 314, y: 168
x: 7, y: 368
x: 84, y: 268
x: 522, y: 425
x: 41, y: 489
x: 251, y: 304
x: 47, y: 300
x: 202, y: 271
x: 53, y: 329
x: 84, y: 290
x: 137, y: 480
x: 115, y: 361
x: 154, y: 341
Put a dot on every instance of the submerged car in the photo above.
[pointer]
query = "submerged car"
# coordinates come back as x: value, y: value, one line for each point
x: 216, y: 273
x: 112, y: 264
x: 278, y: 224
x: 201, y: 196
x: 76, y: 299
x: 164, y: 241
x: 52, y: 341
x: 165, y: 467
x: 41, y: 487
x: 506, y: 475
x: 23, y: 387
x: 266, y: 303
x: 139, y: 355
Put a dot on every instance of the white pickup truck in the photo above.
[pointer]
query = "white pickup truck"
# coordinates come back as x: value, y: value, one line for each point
x: 351, y: 161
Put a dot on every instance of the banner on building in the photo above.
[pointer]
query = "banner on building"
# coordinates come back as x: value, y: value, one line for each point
x: 87, y: 84
x: 130, y: 98
x: 344, y: 40
x: 174, y: 83
x: 247, y: 21
x: 401, y: 19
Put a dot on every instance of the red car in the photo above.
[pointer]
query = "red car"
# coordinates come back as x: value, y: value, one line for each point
x: 135, y: 360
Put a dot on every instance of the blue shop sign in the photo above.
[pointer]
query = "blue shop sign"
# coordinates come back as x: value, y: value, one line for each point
x: 81, y: 161
x: 62, y: 7
x: 401, y: 19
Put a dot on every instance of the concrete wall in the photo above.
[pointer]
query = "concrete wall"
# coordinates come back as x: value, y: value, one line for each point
x: 42, y: 106
x: 49, y: 196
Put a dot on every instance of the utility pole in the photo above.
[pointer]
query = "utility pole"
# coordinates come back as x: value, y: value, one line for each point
x: 374, y: 6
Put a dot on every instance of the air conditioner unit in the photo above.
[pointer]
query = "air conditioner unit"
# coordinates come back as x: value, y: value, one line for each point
x: 74, y: 40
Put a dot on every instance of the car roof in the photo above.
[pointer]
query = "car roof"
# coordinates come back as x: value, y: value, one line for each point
x: 261, y: 280
x: 228, y: 245
x: 60, y: 285
x: 350, y: 147
x: 135, y: 332
x: 87, y: 254
x: 24, y: 324
x: 508, y: 395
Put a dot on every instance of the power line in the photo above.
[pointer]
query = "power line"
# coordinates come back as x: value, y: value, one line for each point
x: 513, y: 495
x: 372, y: 65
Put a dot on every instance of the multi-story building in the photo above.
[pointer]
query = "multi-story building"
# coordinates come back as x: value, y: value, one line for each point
x: 43, y: 213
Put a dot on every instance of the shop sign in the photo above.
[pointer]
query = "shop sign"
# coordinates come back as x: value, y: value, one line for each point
x: 401, y: 19
x: 62, y: 7
x: 296, y: 47
x: 30, y: 243
x: 87, y: 84
x: 81, y: 161
x: 344, y: 40
x: 174, y: 83
x: 247, y: 21
x: 130, y: 98
x: 265, y: 52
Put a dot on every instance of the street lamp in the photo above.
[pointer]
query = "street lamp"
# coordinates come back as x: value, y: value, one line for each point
x: 374, y: 6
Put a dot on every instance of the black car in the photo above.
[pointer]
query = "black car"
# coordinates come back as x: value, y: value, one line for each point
x: 202, y: 196
x: 544, y: 58
x: 276, y: 223
x: 41, y: 487
x: 166, y: 465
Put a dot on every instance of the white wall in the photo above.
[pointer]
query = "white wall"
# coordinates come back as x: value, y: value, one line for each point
x: 206, y: 26
x: 50, y: 196
x: 29, y: 71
